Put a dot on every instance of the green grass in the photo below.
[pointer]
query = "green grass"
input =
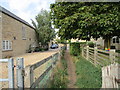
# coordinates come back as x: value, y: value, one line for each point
x: 88, y: 76
x: 60, y: 79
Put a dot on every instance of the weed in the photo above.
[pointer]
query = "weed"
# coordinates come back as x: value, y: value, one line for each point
x: 60, y: 75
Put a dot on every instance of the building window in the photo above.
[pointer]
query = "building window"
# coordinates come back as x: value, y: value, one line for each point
x: 7, y: 45
x: 117, y: 40
x: 23, y: 33
x: 114, y: 40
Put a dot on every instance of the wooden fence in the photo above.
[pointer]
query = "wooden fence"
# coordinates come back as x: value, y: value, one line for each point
x: 110, y: 63
x: 35, y: 73
x: 100, y: 57
x: 111, y: 76
x: 38, y: 74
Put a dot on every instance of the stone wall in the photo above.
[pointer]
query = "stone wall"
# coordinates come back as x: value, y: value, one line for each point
x: 12, y: 30
x: 0, y: 35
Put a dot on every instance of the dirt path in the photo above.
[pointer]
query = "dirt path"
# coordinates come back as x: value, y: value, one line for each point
x: 71, y: 70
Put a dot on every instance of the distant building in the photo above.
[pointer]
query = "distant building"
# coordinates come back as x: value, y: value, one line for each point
x: 16, y: 35
x: 115, y: 41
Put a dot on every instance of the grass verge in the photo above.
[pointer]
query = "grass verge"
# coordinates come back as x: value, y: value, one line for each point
x: 60, y: 75
x: 88, y: 76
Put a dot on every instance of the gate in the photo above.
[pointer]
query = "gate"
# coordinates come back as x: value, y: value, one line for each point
x: 10, y: 78
x: 29, y: 78
x: 19, y: 74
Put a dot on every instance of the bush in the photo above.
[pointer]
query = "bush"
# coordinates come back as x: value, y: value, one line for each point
x: 37, y: 49
x: 29, y: 50
x: 62, y: 41
x: 91, y: 44
x: 75, y: 48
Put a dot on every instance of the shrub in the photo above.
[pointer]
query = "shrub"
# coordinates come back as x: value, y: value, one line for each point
x: 63, y: 41
x: 90, y: 44
x: 37, y: 49
x: 75, y: 48
x: 29, y: 50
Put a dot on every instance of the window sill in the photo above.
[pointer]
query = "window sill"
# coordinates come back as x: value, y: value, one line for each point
x: 24, y: 39
x: 7, y: 50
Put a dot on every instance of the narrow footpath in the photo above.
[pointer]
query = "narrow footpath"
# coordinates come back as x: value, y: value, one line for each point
x: 71, y: 70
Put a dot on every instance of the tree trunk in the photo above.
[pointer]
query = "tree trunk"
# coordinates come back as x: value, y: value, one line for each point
x: 107, y: 42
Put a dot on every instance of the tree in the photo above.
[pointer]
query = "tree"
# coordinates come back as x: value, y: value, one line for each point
x: 85, y: 19
x: 43, y: 29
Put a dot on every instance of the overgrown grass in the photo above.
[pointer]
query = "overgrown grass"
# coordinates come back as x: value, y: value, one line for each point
x: 60, y: 75
x: 59, y: 79
x: 88, y: 76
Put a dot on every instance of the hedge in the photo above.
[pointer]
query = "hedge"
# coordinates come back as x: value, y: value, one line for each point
x: 75, y: 48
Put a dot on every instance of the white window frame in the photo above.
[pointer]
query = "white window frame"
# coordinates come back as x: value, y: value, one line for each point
x: 23, y: 33
x: 8, y: 45
x: 115, y: 40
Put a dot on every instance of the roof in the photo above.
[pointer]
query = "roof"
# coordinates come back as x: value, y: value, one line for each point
x: 5, y: 11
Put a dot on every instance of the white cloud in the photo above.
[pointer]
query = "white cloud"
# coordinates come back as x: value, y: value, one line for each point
x: 26, y: 9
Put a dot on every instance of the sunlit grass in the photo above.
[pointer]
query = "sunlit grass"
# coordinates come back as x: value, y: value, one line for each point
x: 88, y: 76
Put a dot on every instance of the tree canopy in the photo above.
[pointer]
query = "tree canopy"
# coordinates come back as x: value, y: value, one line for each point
x: 44, y: 31
x: 85, y: 19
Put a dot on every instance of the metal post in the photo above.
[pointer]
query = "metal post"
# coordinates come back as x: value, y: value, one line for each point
x: 20, y: 73
x: 11, y: 73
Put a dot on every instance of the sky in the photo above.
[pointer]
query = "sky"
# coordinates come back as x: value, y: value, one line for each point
x: 26, y: 9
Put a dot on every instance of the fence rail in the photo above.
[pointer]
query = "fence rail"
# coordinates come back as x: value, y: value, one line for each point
x: 100, y: 57
x: 33, y: 67
x: 31, y: 76
x: 30, y: 71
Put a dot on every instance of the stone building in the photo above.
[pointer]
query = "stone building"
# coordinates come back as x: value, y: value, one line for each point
x: 16, y: 35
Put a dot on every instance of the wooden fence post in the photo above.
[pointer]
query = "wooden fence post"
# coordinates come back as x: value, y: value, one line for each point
x: 95, y: 55
x: 87, y: 52
x: 112, y: 55
x: 27, y: 77
x: 82, y: 51
x: 31, y: 76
